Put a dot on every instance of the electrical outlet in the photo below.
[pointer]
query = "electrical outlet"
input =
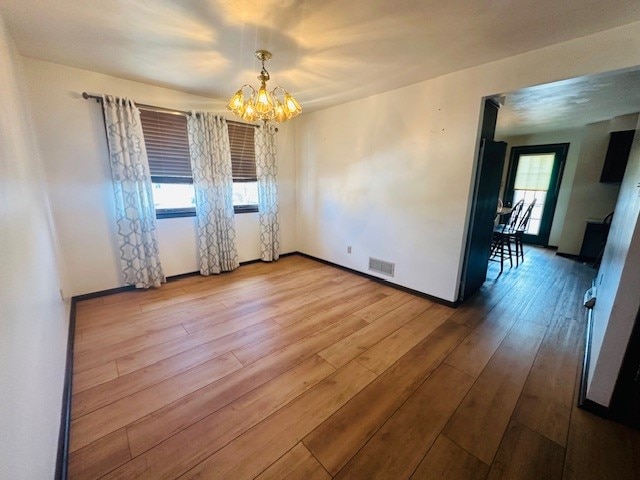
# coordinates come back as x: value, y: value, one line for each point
x: 349, y: 249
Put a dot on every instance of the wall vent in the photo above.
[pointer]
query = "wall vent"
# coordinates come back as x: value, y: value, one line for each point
x: 381, y: 266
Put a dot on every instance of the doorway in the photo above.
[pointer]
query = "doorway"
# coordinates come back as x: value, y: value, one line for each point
x: 535, y: 175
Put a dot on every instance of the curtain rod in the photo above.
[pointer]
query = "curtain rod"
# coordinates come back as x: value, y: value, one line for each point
x: 98, y: 99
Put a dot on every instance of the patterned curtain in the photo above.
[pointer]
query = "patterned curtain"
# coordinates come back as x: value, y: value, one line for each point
x: 266, y: 169
x: 135, y: 212
x: 213, y: 182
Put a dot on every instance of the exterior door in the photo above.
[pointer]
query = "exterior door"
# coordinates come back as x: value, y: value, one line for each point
x: 535, y: 172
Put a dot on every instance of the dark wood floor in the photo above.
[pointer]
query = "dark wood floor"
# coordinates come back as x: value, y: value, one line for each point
x: 299, y: 370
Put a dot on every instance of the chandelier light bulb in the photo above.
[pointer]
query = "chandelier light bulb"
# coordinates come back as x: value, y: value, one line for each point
x: 280, y: 113
x: 264, y: 104
x: 236, y: 103
x: 249, y: 113
x: 293, y: 107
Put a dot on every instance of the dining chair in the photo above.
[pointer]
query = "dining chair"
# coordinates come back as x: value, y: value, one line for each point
x: 519, y: 231
x: 502, y: 236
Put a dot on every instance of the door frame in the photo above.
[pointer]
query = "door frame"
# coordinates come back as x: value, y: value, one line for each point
x: 560, y: 150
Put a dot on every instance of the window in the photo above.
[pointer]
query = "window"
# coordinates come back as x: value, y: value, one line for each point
x: 243, y: 165
x: 532, y: 182
x: 167, y: 142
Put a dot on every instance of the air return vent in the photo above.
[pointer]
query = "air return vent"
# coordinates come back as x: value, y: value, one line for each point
x: 380, y: 266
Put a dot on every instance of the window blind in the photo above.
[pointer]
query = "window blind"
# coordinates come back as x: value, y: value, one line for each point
x: 243, y: 156
x: 167, y: 142
x: 534, y: 172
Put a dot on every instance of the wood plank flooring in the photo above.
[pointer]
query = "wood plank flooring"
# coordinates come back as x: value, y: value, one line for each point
x: 299, y: 370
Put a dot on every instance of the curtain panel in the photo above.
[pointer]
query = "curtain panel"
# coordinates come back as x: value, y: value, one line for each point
x: 213, y: 183
x: 135, y: 211
x: 266, y: 169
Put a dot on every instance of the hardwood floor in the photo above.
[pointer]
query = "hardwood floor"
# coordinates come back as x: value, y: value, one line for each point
x: 299, y: 370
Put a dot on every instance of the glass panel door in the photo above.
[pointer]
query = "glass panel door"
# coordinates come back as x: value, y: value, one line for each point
x: 533, y: 177
x: 535, y: 173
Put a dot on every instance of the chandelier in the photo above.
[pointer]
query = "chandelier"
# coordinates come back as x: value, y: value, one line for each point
x: 264, y: 105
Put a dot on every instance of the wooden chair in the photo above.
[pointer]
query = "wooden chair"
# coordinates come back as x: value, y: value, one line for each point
x: 502, y: 236
x: 607, y: 221
x: 517, y: 235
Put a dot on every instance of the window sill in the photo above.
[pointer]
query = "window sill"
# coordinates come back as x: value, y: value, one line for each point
x: 191, y: 212
x: 175, y: 213
x: 245, y: 209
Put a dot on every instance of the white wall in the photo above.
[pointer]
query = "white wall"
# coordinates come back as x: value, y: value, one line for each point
x: 618, y: 282
x: 33, y: 317
x: 390, y: 175
x: 590, y: 199
x: 71, y: 132
x: 574, y: 139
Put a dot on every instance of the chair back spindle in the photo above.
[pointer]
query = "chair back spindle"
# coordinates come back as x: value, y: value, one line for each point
x: 514, y: 217
x: 524, y: 221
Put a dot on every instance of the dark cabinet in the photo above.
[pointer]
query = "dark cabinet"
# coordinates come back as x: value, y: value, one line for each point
x: 595, y: 238
x: 618, y: 151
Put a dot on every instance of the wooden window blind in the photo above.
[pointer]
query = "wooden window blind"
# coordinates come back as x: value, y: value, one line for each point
x: 243, y: 156
x: 167, y: 142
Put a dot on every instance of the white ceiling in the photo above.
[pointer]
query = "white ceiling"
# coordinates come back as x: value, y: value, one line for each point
x: 569, y: 103
x: 326, y: 52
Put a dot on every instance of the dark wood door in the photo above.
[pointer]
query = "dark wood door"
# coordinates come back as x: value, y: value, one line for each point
x: 483, y: 213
